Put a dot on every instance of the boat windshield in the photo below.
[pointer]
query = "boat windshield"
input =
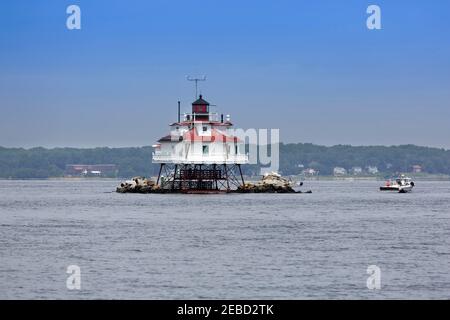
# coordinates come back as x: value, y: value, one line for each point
x: 403, y: 181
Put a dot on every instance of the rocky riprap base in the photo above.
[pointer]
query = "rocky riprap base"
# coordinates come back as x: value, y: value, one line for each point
x: 270, y: 183
x: 138, y: 185
x: 252, y: 188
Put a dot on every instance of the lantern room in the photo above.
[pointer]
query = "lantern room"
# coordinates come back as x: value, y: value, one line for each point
x: 200, y: 109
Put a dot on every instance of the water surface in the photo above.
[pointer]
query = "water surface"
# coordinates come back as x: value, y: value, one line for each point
x: 252, y: 246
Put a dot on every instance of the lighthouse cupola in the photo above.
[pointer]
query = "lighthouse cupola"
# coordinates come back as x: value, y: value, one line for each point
x: 200, y: 109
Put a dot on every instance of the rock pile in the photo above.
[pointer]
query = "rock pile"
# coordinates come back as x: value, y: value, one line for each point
x: 137, y: 185
x: 270, y: 183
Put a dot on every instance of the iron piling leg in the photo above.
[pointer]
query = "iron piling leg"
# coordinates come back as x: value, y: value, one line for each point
x: 159, y: 174
x: 226, y: 177
x: 242, y: 177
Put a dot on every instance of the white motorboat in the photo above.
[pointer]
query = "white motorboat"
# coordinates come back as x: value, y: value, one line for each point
x: 402, y: 184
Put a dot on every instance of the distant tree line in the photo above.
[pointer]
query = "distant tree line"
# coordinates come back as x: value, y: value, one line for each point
x: 388, y: 160
x: 19, y: 163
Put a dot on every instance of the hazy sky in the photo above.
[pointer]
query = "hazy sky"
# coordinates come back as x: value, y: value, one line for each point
x: 310, y: 68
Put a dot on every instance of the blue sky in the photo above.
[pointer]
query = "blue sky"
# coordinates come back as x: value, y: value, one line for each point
x: 310, y: 68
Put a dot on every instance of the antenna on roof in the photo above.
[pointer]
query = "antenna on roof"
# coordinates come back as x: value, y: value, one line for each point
x: 196, y: 80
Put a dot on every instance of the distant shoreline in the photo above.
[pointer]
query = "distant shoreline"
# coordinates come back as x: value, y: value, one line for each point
x: 248, y: 178
x: 416, y: 178
x: 299, y: 160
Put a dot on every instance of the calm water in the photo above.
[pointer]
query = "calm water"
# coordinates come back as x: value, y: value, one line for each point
x: 223, y: 246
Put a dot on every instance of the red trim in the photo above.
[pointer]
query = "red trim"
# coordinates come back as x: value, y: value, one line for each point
x: 192, y: 135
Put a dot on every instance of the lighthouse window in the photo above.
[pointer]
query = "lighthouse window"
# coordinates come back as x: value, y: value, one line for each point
x: 205, y: 150
x: 205, y: 128
x: 235, y: 149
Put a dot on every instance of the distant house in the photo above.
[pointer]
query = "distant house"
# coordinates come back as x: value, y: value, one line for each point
x: 356, y: 171
x: 75, y: 170
x: 338, y: 171
x: 417, y: 168
x: 310, y: 172
x: 372, y: 170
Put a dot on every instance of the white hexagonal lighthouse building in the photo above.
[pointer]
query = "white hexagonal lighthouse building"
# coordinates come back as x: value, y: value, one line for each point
x: 200, y: 154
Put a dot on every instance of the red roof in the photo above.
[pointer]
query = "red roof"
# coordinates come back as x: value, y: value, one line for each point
x: 192, y: 135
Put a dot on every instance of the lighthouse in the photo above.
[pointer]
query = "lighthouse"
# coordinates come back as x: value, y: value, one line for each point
x: 200, y: 154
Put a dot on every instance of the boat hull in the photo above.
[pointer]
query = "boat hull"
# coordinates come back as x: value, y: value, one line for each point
x: 397, y: 189
x: 405, y: 189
